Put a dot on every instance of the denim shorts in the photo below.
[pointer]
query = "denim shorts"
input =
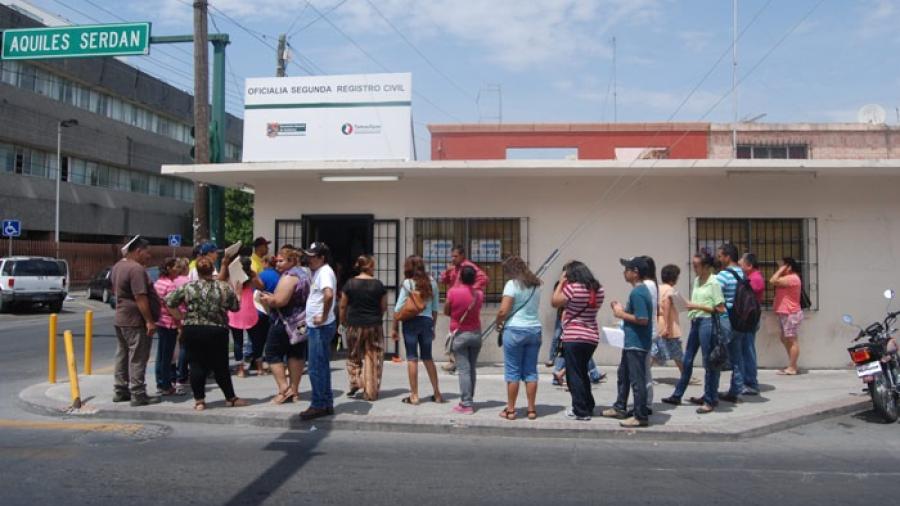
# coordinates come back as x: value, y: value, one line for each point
x: 521, y: 346
x: 278, y: 345
x: 664, y: 349
x: 418, y: 335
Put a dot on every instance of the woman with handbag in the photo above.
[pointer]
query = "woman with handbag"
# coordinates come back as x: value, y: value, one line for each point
x: 417, y: 307
x: 205, y: 319
x: 519, y: 324
x: 706, y: 310
x: 582, y: 296
x: 287, y: 331
x: 464, y: 309
x: 362, y: 307
x: 789, y: 306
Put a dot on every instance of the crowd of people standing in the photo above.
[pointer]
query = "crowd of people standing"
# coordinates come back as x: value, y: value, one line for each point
x: 284, y: 313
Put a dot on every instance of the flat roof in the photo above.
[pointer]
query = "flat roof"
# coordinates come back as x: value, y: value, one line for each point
x: 238, y: 175
x: 492, y: 128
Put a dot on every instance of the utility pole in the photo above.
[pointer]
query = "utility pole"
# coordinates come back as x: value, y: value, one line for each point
x: 201, y: 117
x: 280, y: 59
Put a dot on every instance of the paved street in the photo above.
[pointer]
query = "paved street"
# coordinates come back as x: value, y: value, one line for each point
x: 848, y: 459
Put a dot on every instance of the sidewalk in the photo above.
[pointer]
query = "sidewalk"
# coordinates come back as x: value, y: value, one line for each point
x: 784, y: 402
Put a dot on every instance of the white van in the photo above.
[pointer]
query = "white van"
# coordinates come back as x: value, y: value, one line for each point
x: 33, y: 280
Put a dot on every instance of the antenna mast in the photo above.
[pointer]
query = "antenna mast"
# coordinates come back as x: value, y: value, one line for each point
x: 615, y: 84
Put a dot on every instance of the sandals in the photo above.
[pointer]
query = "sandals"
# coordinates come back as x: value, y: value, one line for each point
x: 704, y: 409
x: 283, y: 397
x: 236, y: 402
x: 532, y: 415
x: 509, y: 414
x: 408, y: 400
x: 436, y: 399
x: 786, y: 372
x: 199, y: 405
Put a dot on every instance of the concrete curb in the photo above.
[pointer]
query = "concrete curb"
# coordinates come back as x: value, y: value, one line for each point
x: 34, y: 400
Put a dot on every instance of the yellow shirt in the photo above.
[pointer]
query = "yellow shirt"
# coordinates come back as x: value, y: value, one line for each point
x: 256, y: 263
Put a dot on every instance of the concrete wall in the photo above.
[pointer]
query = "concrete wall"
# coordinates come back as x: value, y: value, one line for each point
x: 839, y: 141
x: 858, y: 232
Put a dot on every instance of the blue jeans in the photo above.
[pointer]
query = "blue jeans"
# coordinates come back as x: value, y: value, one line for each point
x: 700, y: 338
x: 593, y: 370
x: 319, y: 364
x: 165, y: 348
x: 418, y: 335
x: 521, y: 346
x: 633, y: 377
x: 736, y: 356
x: 553, y: 354
x: 749, y: 360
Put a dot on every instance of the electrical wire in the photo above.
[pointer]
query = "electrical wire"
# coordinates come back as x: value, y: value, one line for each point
x: 318, y: 18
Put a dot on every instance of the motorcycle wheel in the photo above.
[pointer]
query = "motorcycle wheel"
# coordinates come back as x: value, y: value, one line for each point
x: 884, y: 400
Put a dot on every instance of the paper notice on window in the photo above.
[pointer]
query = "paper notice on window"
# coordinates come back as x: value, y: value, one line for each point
x: 236, y: 275
x: 679, y: 301
x: 613, y: 336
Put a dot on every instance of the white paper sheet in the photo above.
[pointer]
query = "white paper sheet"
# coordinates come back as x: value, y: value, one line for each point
x: 613, y: 336
x: 237, y: 276
x: 679, y: 301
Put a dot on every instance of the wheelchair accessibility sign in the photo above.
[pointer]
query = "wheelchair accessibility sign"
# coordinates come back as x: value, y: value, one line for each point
x: 12, y: 228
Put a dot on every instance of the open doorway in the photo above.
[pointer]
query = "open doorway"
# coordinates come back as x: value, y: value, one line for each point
x: 347, y: 236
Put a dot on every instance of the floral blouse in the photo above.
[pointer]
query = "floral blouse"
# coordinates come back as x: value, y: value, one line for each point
x: 207, y: 302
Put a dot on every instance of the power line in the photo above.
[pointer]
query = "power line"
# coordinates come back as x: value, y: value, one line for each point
x: 379, y: 64
x: 297, y: 19
x: 318, y: 18
x: 420, y: 53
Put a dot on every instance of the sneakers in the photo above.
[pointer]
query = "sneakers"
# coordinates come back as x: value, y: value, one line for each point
x: 613, y: 413
x: 181, y: 388
x: 570, y: 414
x: 750, y: 391
x: 675, y: 401
x: 463, y: 410
x: 121, y: 397
x: 144, y: 400
x: 632, y: 423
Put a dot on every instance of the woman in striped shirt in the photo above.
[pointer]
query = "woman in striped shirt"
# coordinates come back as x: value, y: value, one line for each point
x: 582, y: 296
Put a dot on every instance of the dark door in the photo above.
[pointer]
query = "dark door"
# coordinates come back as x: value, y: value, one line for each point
x: 347, y: 236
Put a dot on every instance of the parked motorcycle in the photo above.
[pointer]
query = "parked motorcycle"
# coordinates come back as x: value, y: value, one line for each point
x: 877, y: 362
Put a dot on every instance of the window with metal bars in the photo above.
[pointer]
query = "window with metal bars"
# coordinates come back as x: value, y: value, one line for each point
x: 770, y: 239
x: 787, y: 151
x: 487, y: 242
x: 288, y: 232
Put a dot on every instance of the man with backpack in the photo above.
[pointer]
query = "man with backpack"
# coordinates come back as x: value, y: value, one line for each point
x: 743, y: 315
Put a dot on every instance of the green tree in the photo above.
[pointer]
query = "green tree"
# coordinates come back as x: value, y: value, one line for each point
x: 238, y: 216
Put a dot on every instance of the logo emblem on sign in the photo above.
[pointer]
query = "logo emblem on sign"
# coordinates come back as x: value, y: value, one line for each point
x: 347, y: 129
x: 271, y: 129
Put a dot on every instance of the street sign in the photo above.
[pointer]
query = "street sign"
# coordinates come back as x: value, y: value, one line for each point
x: 175, y: 240
x: 12, y: 228
x: 77, y: 41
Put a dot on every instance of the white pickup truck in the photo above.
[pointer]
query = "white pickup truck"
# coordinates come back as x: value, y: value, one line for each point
x: 33, y: 280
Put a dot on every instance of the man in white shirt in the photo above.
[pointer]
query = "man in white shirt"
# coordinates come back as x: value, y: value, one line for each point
x: 321, y: 327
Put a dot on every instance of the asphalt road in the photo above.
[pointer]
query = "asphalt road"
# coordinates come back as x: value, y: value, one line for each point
x: 845, y: 460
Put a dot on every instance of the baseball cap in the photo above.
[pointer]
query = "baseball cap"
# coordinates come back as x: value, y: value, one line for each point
x: 208, y: 247
x: 638, y: 264
x: 316, y: 249
x: 259, y: 241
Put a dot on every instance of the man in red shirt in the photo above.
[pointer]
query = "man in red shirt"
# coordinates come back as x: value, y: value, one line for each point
x: 750, y: 265
x: 458, y: 260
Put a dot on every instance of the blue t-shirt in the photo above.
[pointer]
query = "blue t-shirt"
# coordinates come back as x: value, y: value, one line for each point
x: 270, y: 278
x: 640, y: 304
x: 729, y: 284
x: 432, y: 305
x: 528, y: 309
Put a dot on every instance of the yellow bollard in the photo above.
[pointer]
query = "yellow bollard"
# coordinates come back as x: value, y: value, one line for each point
x: 51, y: 364
x: 88, y: 340
x: 73, y: 371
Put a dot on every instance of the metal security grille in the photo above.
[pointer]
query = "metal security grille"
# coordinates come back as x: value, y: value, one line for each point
x: 487, y: 242
x: 288, y: 232
x: 386, y: 250
x: 770, y: 239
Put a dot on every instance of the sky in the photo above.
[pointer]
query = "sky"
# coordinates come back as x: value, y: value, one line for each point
x: 552, y: 60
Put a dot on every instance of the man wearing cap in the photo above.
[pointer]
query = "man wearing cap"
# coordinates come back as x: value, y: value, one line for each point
x: 321, y: 326
x: 260, y: 250
x: 208, y: 250
x: 636, y: 317
x: 137, y: 309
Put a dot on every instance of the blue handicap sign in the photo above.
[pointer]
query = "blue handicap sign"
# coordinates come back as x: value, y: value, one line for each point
x: 175, y: 240
x: 12, y: 228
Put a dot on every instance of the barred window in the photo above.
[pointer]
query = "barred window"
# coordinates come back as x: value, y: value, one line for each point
x: 791, y: 151
x: 770, y: 239
x: 487, y: 242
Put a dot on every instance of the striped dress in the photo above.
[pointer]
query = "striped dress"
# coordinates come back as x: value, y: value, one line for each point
x: 580, y: 316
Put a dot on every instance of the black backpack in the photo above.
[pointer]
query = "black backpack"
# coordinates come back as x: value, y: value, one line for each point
x: 745, y: 312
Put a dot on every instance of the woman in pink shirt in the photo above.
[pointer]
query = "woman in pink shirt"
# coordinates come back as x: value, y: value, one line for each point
x: 788, y: 286
x: 464, y: 309
x: 166, y: 327
x: 247, y: 317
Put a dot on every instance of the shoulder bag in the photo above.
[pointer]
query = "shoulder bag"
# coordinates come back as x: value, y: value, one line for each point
x: 559, y: 347
x: 501, y: 326
x: 718, y: 356
x: 413, y: 305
